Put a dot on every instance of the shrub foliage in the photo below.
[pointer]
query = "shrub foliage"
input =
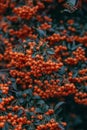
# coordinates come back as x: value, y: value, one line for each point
x: 43, y: 66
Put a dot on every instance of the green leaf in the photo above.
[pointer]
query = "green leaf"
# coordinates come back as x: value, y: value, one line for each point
x: 50, y: 51
x: 33, y: 55
x: 6, y: 127
x: 19, y: 94
x: 58, y: 105
x: 69, y: 46
x: 47, y: 118
x: 59, y: 111
x: 28, y: 91
x: 36, y: 97
x: 45, y: 108
x: 75, y: 74
x: 21, y: 100
x: 37, y: 122
x: 86, y: 88
x: 20, y: 112
x: 62, y: 70
x: 28, y: 115
x: 85, y: 27
x: 0, y: 99
x: 43, y: 47
x: 32, y: 113
x: 74, y: 46
x: 61, y: 127
x: 40, y: 102
x: 41, y: 33
x: 38, y: 110
x: 14, y: 85
x: 72, y: 2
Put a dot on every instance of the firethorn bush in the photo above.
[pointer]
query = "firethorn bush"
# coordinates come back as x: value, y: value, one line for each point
x: 43, y: 66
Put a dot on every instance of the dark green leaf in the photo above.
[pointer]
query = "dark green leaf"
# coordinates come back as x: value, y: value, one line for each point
x: 36, y: 97
x: 58, y: 105
x: 14, y: 85
x: 0, y: 99
x: 41, y: 33
x: 62, y: 70
x: 40, y: 102
x: 28, y: 91
x: 28, y: 115
x: 21, y: 100
x: 19, y: 94
x: 50, y: 51
x: 61, y: 127
x: 33, y: 55
x: 37, y: 122
x: 6, y: 127
x: 20, y: 112
x: 45, y: 108
x: 38, y: 110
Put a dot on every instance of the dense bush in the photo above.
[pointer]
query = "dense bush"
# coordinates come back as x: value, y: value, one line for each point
x: 43, y: 66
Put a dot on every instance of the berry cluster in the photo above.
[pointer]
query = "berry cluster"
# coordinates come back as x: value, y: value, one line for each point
x: 43, y: 65
x: 25, y: 12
